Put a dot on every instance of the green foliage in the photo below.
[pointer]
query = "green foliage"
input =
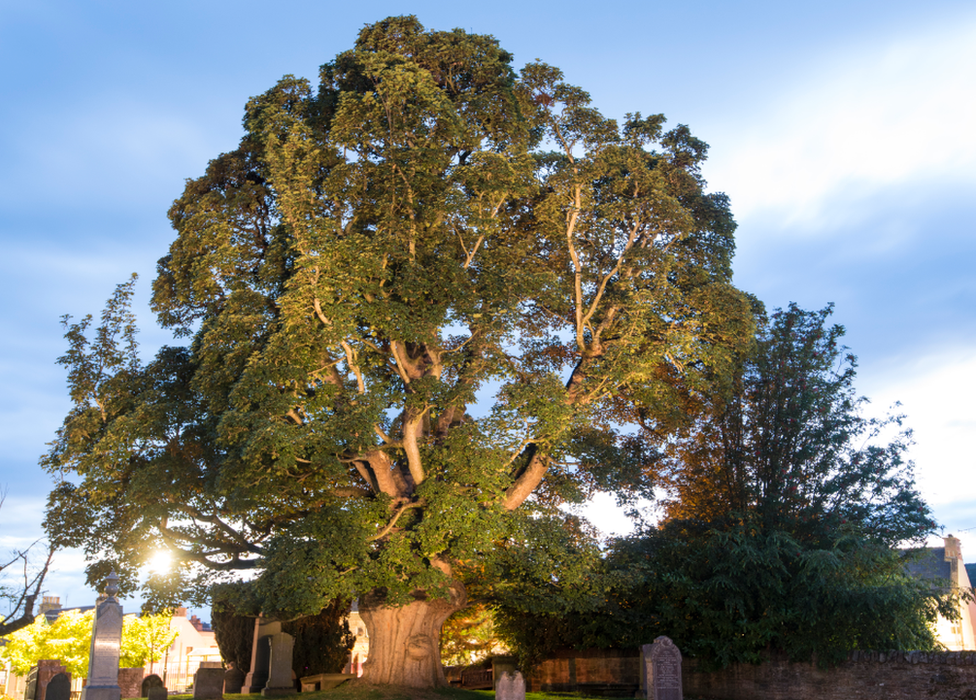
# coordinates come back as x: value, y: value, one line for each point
x: 68, y: 638
x: 424, y: 231
x: 233, y: 631
x: 144, y: 639
x: 322, y: 642
x: 469, y: 636
x: 727, y: 595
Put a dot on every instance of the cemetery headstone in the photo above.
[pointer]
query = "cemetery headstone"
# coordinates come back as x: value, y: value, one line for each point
x: 662, y: 670
x: 59, y: 687
x: 149, y: 682
x: 233, y: 678
x: 511, y: 686
x: 208, y: 683
x: 257, y: 677
x: 280, y: 681
x: 103, y: 655
x: 158, y: 692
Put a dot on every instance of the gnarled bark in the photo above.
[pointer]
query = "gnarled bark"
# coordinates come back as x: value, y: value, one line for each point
x: 405, y: 641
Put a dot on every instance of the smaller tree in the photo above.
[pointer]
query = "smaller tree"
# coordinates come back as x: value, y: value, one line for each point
x: 68, y: 638
x: 788, y: 446
x: 21, y: 580
x: 145, y: 639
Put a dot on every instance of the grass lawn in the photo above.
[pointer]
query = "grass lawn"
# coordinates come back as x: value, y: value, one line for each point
x: 357, y: 690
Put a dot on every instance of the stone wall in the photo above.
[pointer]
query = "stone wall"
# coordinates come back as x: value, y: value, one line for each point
x: 130, y: 681
x: 864, y: 676
x: 604, y: 672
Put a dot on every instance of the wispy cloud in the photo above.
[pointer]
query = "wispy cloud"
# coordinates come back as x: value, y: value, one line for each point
x: 113, y: 150
x: 865, y: 119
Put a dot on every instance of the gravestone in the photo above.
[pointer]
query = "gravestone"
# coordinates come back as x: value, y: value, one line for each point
x: 257, y: 677
x: 158, y: 692
x: 662, y: 670
x: 511, y: 686
x: 280, y: 681
x: 233, y: 678
x: 208, y: 683
x: 59, y: 687
x: 103, y: 655
x: 149, y: 682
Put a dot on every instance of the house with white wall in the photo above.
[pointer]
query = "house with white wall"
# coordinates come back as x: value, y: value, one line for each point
x: 944, y: 567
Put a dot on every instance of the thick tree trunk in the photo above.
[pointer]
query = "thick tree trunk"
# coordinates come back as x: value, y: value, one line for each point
x: 405, y: 642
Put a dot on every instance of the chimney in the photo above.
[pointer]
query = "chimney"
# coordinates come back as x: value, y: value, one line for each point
x: 50, y: 602
x: 953, y: 550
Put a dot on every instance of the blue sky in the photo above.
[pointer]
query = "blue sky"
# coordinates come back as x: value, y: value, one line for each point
x: 842, y: 131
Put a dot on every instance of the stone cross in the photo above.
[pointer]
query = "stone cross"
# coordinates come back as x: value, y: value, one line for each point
x: 103, y: 655
x: 662, y: 670
x: 511, y: 686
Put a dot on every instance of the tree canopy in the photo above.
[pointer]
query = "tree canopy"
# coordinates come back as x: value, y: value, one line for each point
x: 418, y: 300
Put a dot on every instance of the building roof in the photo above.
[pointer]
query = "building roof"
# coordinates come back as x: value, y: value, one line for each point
x: 931, y: 564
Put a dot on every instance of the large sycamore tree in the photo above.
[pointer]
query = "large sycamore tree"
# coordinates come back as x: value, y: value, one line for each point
x: 421, y: 301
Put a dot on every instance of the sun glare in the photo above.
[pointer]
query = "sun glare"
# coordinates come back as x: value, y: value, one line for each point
x: 159, y: 562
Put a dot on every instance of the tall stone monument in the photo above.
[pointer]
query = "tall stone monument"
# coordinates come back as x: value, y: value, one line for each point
x: 103, y: 655
x: 257, y: 678
x: 662, y: 670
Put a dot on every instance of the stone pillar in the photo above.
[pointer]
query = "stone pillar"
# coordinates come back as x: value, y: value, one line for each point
x: 661, y: 670
x: 281, y: 645
x: 103, y: 655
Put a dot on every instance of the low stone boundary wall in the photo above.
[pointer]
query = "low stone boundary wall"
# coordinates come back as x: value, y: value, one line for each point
x: 866, y: 675
x: 598, y: 672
